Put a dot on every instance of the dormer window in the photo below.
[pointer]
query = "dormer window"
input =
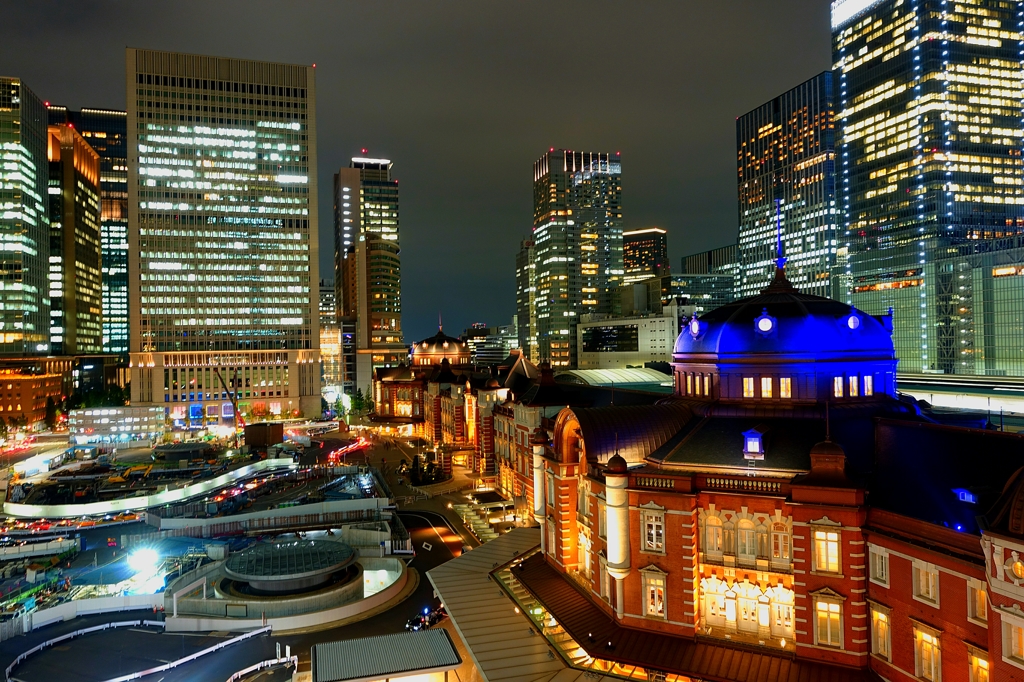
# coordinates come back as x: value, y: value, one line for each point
x: 869, y: 385
x: 785, y: 387
x: 965, y: 495
x: 837, y: 387
x: 753, y: 443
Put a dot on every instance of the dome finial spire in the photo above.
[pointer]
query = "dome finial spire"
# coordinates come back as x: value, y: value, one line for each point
x: 779, y: 283
x: 780, y: 258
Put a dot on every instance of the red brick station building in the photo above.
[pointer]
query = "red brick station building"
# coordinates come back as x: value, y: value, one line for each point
x: 786, y: 515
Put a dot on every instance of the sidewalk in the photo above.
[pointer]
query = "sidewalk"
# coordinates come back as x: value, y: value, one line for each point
x: 438, y: 504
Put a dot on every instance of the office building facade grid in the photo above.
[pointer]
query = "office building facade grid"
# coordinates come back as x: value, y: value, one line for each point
x: 577, y: 234
x: 106, y: 131
x: 75, y: 261
x: 786, y: 179
x: 526, y: 299
x: 368, y: 265
x: 930, y: 147
x: 223, y: 220
x: 24, y: 222
x: 644, y: 254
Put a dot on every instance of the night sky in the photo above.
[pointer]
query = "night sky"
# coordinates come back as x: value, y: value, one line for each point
x: 464, y: 96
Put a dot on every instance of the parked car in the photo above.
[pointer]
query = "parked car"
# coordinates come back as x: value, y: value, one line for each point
x: 426, y: 619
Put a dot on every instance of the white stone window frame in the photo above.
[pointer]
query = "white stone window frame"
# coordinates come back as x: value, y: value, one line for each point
x: 602, y: 517
x: 713, y: 521
x: 923, y: 628
x: 603, y: 578
x: 820, y: 527
x: 650, y: 574
x: 1010, y: 620
x: 829, y: 597
x: 875, y: 607
x: 878, y: 555
x: 654, y: 514
x: 919, y: 569
x: 974, y: 652
x: 975, y: 585
x: 746, y: 528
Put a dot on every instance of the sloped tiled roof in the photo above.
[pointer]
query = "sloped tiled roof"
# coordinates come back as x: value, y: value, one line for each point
x: 635, y: 431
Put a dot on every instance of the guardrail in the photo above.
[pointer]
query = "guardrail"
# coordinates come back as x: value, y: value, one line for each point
x: 190, y: 658
x: 142, y: 673
x: 58, y: 511
x: 71, y: 635
x: 294, y: 661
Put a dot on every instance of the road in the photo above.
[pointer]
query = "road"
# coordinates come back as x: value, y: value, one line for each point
x: 435, y: 543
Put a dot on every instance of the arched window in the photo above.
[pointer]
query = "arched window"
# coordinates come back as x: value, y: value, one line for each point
x: 780, y: 553
x: 746, y: 541
x: 713, y: 537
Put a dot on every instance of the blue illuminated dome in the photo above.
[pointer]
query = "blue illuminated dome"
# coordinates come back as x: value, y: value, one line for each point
x: 787, y: 321
x: 820, y: 347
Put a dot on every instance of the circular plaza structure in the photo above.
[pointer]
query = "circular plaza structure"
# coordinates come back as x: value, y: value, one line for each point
x: 292, y: 566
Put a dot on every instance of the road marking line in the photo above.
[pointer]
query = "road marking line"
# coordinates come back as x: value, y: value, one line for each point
x: 427, y: 546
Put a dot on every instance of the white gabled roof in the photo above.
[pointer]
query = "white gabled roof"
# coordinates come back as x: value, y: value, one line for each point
x: 384, y: 657
x: 504, y: 645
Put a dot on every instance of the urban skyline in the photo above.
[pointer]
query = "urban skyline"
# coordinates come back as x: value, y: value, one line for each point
x: 654, y: 127
x: 795, y: 453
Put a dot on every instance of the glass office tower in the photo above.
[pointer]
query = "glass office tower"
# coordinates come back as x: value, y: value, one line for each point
x: 367, y: 264
x: 75, y: 278
x: 577, y: 233
x: 785, y: 152
x: 222, y: 216
x: 526, y: 299
x: 644, y: 254
x: 106, y: 131
x: 931, y: 176
x: 24, y: 222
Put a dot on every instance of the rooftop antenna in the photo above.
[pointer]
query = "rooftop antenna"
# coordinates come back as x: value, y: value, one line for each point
x: 439, y: 327
x: 780, y: 258
x: 616, y: 442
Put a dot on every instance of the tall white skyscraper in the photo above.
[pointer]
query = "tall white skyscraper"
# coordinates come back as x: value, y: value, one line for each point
x: 222, y: 217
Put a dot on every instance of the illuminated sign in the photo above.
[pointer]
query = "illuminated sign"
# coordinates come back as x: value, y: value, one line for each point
x: 844, y: 10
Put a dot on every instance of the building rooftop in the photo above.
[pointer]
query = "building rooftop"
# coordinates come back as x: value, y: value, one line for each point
x: 593, y: 630
x: 385, y: 657
x: 296, y: 558
x: 502, y: 643
x: 633, y: 431
x: 633, y: 377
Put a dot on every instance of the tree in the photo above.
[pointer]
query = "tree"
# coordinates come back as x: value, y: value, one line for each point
x: 51, y: 413
x: 3, y: 427
x: 324, y: 406
x: 358, y: 402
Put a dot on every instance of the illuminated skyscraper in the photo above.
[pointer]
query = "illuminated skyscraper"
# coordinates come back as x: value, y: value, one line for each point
x: 577, y: 234
x: 106, y: 131
x: 645, y: 254
x: 222, y: 216
x: 785, y: 153
x: 75, y: 278
x: 931, y: 176
x: 526, y: 299
x: 367, y: 266
x: 330, y: 340
x: 24, y: 222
